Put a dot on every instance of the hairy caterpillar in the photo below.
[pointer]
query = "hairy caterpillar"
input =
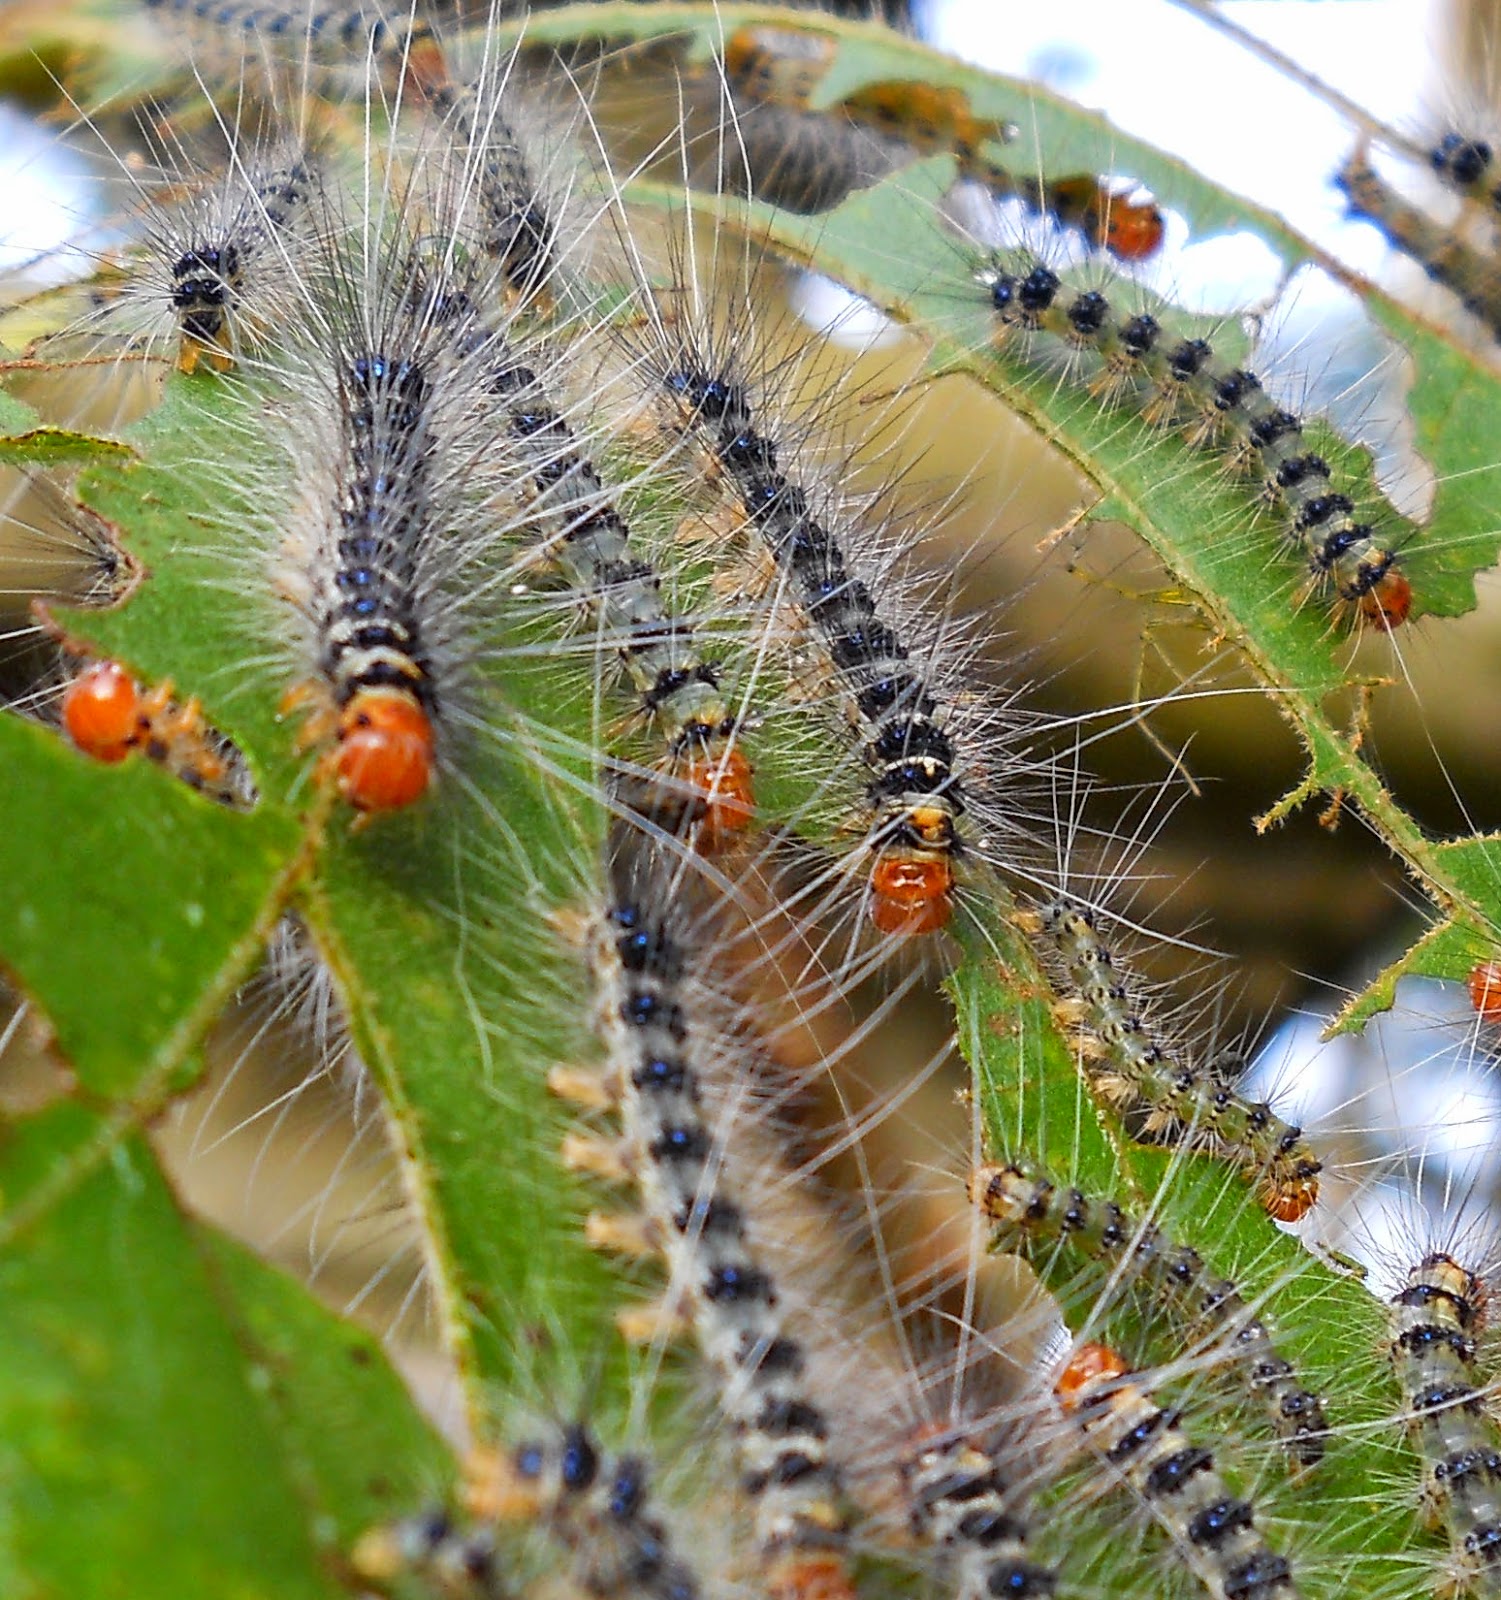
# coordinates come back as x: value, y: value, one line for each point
x: 915, y: 794
x: 99, y: 703
x: 1146, y: 1448
x: 455, y: 1559
x: 502, y: 245
x: 107, y: 714
x: 1174, y: 379
x: 1033, y: 1211
x: 583, y: 529
x: 1179, y: 1099
x: 379, y: 676
x: 223, y: 257
x: 655, y: 1038
x: 963, y: 1506
x: 599, y: 1507
x: 1447, y: 258
x: 300, y: 32
x: 512, y: 226
x: 392, y: 525
x: 1434, y: 1322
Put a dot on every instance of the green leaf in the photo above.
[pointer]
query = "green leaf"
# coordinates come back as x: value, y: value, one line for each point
x: 353, y: 1444
x: 178, y: 1420
x: 23, y: 443
x: 55, y: 447
x: 1455, y: 405
x: 1451, y: 947
x: 132, y: 905
x: 462, y: 997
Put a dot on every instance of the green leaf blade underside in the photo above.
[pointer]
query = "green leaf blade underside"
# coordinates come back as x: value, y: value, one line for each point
x: 149, y: 1448
x: 16, y: 417
x: 355, y: 1446
x: 26, y: 442
x: 132, y: 905
x: 151, y: 903
x: 1455, y: 405
x: 462, y: 997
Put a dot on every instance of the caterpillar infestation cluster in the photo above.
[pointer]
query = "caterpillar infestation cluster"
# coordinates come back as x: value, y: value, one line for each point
x: 546, y: 654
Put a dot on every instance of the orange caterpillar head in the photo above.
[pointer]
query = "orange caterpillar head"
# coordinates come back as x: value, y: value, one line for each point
x: 1290, y: 1202
x: 1388, y: 602
x: 1089, y: 1366
x: 724, y: 781
x: 1485, y: 989
x: 911, y: 894
x: 103, y: 711
x: 384, y: 759
x: 784, y: 65
x: 1131, y: 230
x: 810, y: 1576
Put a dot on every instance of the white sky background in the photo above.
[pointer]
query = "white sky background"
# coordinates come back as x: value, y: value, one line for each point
x: 1239, y: 121
x: 42, y: 189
